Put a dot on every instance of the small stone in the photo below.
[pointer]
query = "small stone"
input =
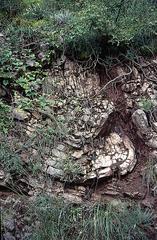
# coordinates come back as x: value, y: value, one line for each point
x: 35, y: 152
x: 77, y: 154
x: 56, y: 173
x: 8, y: 236
x: 111, y: 193
x: 145, y: 87
x: 106, y: 172
x: 59, y: 154
x: 9, y: 224
x: 86, y: 118
x: 81, y: 189
x: 31, y: 193
x: 152, y: 142
x: 155, y: 61
x: 20, y: 114
x: 140, y: 120
x: 31, y: 63
x: 73, y: 144
x: 2, y: 175
x: 60, y: 147
x: 72, y: 198
x: 1, y: 35
x: 51, y: 162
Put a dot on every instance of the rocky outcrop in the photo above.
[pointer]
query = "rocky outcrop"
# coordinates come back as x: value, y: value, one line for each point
x: 117, y: 156
x: 90, y: 144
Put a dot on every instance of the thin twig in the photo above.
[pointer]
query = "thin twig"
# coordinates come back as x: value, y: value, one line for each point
x: 116, y: 79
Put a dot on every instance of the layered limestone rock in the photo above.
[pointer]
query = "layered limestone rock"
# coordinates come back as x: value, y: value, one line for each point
x: 117, y: 155
x: 84, y: 146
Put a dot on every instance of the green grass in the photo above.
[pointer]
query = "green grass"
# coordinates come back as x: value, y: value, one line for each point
x: 10, y: 161
x: 150, y: 176
x: 60, y: 220
x: 5, y: 120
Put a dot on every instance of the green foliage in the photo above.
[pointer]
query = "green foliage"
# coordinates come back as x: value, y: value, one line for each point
x: 11, y: 7
x: 150, y: 176
x: 87, y: 27
x: 146, y: 104
x: 9, y: 160
x: 43, y: 102
x: 72, y: 170
x: 5, y: 120
x: 61, y: 220
x: 22, y: 72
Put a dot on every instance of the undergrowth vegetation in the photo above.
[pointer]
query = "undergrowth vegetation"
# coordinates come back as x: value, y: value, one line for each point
x: 61, y: 220
x: 150, y: 176
x: 10, y: 161
x: 34, y: 33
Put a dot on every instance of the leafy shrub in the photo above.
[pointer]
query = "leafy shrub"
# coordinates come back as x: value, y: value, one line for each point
x: 87, y: 27
x: 94, y: 25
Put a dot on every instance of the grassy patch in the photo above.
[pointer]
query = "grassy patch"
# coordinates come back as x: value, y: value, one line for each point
x: 60, y: 220
x: 5, y: 120
x: 150, y: 176
x: 10, y: 161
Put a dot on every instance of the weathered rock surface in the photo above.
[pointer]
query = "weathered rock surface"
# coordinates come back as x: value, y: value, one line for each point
x: 118, y: 155
x: 140, y: 120
x: 85, y: 118
x: 144, y: 131
x: 20, y: 114
x: 9, y: 224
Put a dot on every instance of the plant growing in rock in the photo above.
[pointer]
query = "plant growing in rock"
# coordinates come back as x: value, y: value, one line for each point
x: 146, y: 104
x: 72, y: 170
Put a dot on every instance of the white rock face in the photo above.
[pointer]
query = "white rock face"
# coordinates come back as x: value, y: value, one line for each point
x: 118, y: 155
x: 57, y: 173
x: 90, y: 140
